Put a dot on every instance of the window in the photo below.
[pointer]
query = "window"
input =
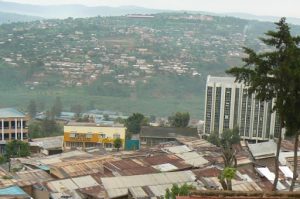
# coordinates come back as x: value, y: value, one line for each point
x: 72, y: 134
x: 102, y: 135
x: 116, y: 135
x: 89, y: 135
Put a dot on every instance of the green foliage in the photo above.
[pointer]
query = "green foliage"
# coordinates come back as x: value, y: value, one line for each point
x: 228, y: 173
x: 179, y: 119
x: 134, y: 122
x: 117, y: 143
x: 32, y: 109
x: 45, y: 128
x: 276, y: 75
x: 57, y: 107
x: 227, y: 139
x: 77, y: 109
x: 184, y: 190
x: 17, y: 148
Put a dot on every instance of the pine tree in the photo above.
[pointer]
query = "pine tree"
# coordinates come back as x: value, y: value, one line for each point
x: 32, y: 108
x: 270, y: 74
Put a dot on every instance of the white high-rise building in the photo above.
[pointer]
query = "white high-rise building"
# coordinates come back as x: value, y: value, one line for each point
x: 228, y: 105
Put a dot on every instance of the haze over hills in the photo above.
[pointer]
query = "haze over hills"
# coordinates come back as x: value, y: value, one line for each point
x: 81, y: 11
x: 11, y: 18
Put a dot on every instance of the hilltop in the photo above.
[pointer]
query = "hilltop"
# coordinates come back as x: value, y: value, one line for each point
x: 155, y: 64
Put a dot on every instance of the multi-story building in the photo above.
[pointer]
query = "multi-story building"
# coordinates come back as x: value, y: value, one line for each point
x: 13, y: 125
x: 229, y: 105
x: 86, y: 135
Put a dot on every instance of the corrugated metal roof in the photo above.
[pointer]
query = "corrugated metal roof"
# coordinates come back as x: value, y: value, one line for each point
x: 60, y: 186
x: 165, y: 167
x: 49, y: 142
x: 10, y: 112
x: 178, y: 149
x: 263, y: 149
x: 122, y: 183
x: 13, y: 190
x: 138, y: 192
x: 85, y: 181
x: 37, y: 175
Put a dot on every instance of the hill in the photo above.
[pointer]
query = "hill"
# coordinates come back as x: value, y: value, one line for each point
x: 72, y: 10
x: 12, y: 18
x: 81, y: 11
x: 152, y: 64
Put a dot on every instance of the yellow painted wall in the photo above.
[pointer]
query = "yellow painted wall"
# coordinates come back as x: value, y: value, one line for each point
x: 95, y: 131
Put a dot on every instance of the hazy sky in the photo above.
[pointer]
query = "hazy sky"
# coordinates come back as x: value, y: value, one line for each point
x: 288, y: 8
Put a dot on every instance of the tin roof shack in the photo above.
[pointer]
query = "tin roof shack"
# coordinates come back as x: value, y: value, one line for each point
x: 146, y: 186
x: 75, y: 188
x: 152, y: 136
x: 79, y: 167
x: 48, y: 145
x: 263, y: 150
x: 13, y: 192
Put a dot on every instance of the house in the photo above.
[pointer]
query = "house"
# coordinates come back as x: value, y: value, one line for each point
x: 13, y: 126
x: 84, y: 135
x: 151, y: 136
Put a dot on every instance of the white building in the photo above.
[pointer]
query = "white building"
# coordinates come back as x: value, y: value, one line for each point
x: 228, y: 105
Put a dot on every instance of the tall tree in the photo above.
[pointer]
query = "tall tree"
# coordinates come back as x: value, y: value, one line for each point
x: 226, y: 141
x: 32, y: 108
x: 117, y: 143
x: 57, y: 107
x: 134, y: 122
x: 179, y: 119
x: 269, y: 74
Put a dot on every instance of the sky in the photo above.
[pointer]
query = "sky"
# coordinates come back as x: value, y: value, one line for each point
x: 287, y: 8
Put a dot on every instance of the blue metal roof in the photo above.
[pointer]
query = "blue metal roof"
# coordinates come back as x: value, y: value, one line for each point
x: 13, y: 190
x: 10, y: 112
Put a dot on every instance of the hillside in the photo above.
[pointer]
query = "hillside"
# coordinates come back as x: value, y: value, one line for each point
x: 152, y: 65
x: 12, y: 18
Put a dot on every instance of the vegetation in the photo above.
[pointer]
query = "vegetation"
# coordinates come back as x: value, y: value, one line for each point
x: 32, y: 109
x: 176, y: 190
x: 275, y: 75
x: 16, y: 148
x: 117, y: 143
x: 134, y: 123
x: 226, y: 141
x: 179, y: 119
x: 45, y: 128
x: 33, y: 71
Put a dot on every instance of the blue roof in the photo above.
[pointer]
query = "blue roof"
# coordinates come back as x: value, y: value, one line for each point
x: 13, y: 190
x: 10, y: 112
x: 44, y: 167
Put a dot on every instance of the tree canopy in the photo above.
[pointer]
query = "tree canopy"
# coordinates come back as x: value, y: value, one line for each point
x: 274, y: 75
x: 134, y: 122
x: 179, y: 119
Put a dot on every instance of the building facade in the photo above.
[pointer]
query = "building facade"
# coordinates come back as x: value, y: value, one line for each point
x: 86, y: 135
x: 13, y: 125
x: 228, y: 105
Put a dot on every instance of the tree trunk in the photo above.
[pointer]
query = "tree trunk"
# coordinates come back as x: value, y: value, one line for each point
x: 229, y: 184
x: 274, y: 188
x: 295, y: 174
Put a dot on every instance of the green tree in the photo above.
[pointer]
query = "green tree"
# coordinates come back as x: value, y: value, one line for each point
x: 32, y: 109
x: 228, y: 138
x: 271, y: 76
x: 134, y: 123
x: 77, y: 109
x: 16, y: 148
x: 184, y: 190
x: 226, y: 177
x: 117, y: 143
x: 57, y: 107
x: 179, y: 119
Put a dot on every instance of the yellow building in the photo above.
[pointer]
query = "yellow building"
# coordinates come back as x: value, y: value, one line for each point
x: 85, y: 135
